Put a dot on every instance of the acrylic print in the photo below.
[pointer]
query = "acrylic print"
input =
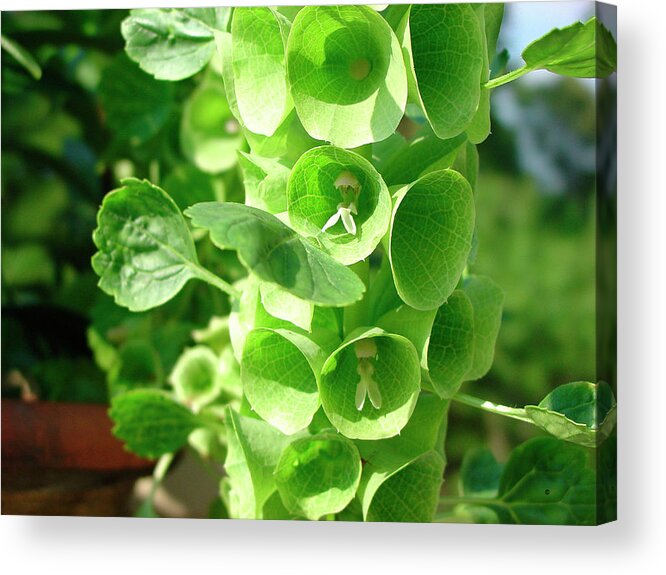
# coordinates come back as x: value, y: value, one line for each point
x: 327, y: 263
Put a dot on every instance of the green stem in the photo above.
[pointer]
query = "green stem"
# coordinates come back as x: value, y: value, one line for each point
x: 506, y: 78
x: 489, y: 406
x: 211, y: 278
x: 159, y: 473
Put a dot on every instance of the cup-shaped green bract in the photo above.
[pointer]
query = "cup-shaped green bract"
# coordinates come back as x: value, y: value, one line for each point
x: 258, y: 60
x: 347, y: 74
x: 451, y: 344
x: 323, y: 180
x: 393, y: 366
x: 431, y: 237
x: 278, y: 371
x: 318, y: 475
x: 446, y: 48
x: 209, y: 133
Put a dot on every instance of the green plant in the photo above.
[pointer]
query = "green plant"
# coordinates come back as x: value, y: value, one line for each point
x: 357, y: 316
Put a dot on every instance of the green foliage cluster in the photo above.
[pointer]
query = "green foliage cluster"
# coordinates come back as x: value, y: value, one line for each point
x: 353, y: 315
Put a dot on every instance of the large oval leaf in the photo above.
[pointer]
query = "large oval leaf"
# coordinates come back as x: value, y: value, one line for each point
x: 487, y: 299
x: 146, y: 253
x: 318, y: 475
x: 451, y: 345
x: 394, y: 368
x: 258, y: 59
x: 276, y: 253
x: 279, y: 371
x: 318, y: 186
x: 430, y: 238
x: 347, y: 74
x: 447, y: 58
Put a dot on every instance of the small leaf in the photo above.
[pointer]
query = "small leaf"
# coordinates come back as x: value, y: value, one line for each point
x: 265, y: 181
x: 431, y: 237
x: 146, y: 253
x: 195, y: 378
x: 209, y: 134
x: 408, y: 322
x: 487, y: 299
x: 423, y: 155
x: 395, y: 370
x: 580, y: 50
x: 580, y: 412
x: 172, y: 44
x: 279, y: 371
x: 318, y: 190
x: 258, y: 60
x: 347, y: 74
x: 444, y: 46
x: 283, y: 305
x: 318, y: 475
x: 451, y: 345
x: 276, y: 253
x: 151, y: 423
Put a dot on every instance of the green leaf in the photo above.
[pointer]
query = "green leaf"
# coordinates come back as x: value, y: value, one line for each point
x: 445, y: 50
x: 326, y: 178
x: 402, y: 476
x: 279, y: 371
x: 579, y: 412
x: 408, y: 322
x: 581, y: 50
x: 188, y: 185
x: 490, y: 17
x: 151, y: 423
x: 172, y: 44
x: 265, y: 181
x: 254, y: 451
x: 430, y: 237
x: 487, y: 299
x: 136, y: 106
x: 282, y: 305
x: 195, y: 378
x: 547, y: 482
x: 424, y: 155
x: 276, y: 253
x: 146, y: 253
x: 409, y: 494
x: 480, y: 474
x: 451, y: 345
x: 318, y: 475
x: 394, y: 369
x: 258, y: 61
x: 347, y: 74
x: 22, y: 56
x: 289, y: 142
x: 209, y: 134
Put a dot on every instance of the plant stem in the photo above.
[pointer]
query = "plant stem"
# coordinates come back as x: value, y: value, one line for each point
x: 506, y: 78
x: 489, y: 406
x: 211, y: 278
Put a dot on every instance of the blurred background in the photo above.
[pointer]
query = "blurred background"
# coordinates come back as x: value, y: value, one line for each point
x: 65, y: 144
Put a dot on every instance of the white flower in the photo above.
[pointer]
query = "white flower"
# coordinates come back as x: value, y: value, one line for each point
x: 348, y: 186
x: 366, y: 352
